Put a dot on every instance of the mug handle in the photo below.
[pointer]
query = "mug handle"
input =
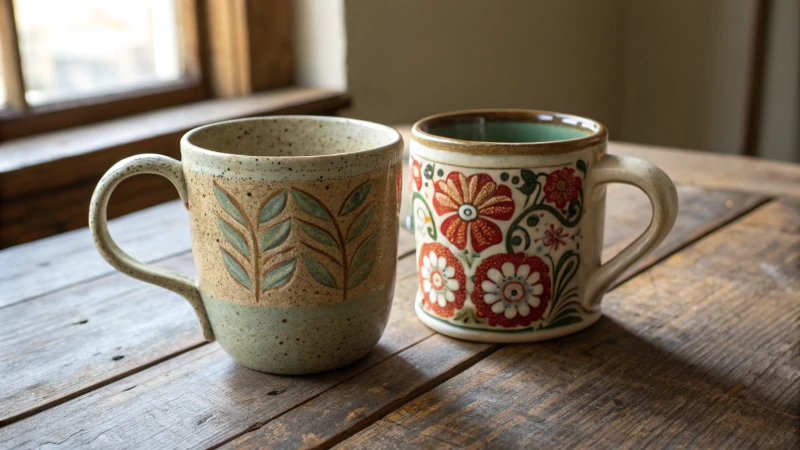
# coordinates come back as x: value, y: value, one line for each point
x: 180, y: 284
x: 664, y: 198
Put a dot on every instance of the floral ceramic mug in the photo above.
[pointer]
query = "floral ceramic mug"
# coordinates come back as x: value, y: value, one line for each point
x: 508, y: 209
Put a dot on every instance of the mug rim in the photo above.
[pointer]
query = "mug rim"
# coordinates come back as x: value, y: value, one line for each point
x: 186, y: 142
x: 597, y: 132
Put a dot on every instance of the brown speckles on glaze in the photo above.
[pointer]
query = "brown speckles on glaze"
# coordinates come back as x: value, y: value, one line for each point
x: 596, y: 133
x: 294, y: 324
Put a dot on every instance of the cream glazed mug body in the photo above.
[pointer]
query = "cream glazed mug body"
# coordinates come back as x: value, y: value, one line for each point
x: 289, y: 218
x: 508, y: 209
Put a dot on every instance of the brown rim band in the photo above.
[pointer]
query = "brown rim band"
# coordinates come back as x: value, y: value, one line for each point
x: 595, y: 132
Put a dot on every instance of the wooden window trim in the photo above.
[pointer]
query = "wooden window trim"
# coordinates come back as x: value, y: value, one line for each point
x: 229, y: 48
x: 46, y: 180
x: 16, y: 124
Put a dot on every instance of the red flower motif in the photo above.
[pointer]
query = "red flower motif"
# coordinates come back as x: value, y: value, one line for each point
x: 416, y: 174
x: 511, y: 290
x: 472, y: 199
x: 561, y: 187
x: 554, y: 237
x: 442, y: 281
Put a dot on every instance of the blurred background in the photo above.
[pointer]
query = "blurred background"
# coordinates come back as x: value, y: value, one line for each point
x: 84, y: 83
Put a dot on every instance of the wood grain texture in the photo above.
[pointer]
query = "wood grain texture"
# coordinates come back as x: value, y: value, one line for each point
x: 98, y: 331
x: 700, y: 211
x: 46, y: 181
x: 109, y: 300
x: 363, y: 399
x: 718, y: 171
x: 13, y: 81
x: 250, y: 46
x: 201, y: 397
x: 698, y: 351
x: 49, y: 265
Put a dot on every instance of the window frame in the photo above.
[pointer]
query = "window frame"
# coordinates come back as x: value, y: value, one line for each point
x: 18, y: 119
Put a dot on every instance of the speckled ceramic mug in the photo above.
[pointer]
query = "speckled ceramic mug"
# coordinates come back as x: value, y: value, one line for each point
x: 294, y: 235
x: 508, y: 209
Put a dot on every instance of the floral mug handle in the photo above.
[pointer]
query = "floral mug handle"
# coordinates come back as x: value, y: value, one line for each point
x: 663, y: 196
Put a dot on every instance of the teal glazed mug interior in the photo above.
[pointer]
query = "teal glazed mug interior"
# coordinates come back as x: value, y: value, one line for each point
x: 508, y: 209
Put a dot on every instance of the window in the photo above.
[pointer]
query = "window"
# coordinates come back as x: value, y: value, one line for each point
x: 83, y: 48
x: 67, y: 63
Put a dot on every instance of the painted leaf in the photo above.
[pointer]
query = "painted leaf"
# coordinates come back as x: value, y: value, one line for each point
x: 318, y: 234
x: 528, y: 175
x: 564, y: 313
x: 276, y: 235
x: 356, y: 198
x: 360, y: 224
x: 365, y: 253
x: 581, y: 165
x: 361, y: 274
x: 569, y: 320
x: 233, y: 236
x: 279, y: 274
x: 236, y: 270
x: 272, y: 208
x: 228, y: 205
x: 319, y: 272
x: 311, y: 206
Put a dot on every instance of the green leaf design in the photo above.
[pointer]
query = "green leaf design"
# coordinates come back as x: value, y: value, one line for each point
x: 360, y: 224
x: 356, y: 198
x: 528, y: 175
x: 236, y: 270
x: 311, y: 206
x: 564, y: 313
x: 228, y: 205
x: 362, y: 261
x: 279, y: 274
x: 319, y: 272
x: 528, y: 188
x: 275, y: 235
x: 272, y: 208
x: 318, y: 234
x: 581, y: 165
x: 233, y: 236
x: 569, y: 320
x: 360, y: 274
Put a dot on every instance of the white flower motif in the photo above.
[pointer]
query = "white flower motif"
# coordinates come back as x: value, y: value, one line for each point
x: 439, y: 281
x: 512, y: 292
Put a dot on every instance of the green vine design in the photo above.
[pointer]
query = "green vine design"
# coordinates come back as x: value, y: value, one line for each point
x: 532, y: 185
x: 431, y: 229
x: 565, y: 309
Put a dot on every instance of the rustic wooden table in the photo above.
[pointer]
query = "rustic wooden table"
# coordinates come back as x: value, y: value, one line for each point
x: 698, y: 346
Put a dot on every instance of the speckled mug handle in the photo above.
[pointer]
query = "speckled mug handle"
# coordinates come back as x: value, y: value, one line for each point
x: 664, y: 197
x: 125, y: 263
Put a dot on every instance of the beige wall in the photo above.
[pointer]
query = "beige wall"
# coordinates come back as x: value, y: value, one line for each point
x: 779, y: 136
x: 663, y: 72
x: 408, y: 59
x: 686, y: 72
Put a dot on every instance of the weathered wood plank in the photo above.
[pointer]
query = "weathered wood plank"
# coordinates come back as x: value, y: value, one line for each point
x: 56, y: 262
x: 201, y: 397
x: 699, y: 351
x: 701, y: 211
x: 368, y: 396
x: 72, y: 341
x: 60, y: 360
